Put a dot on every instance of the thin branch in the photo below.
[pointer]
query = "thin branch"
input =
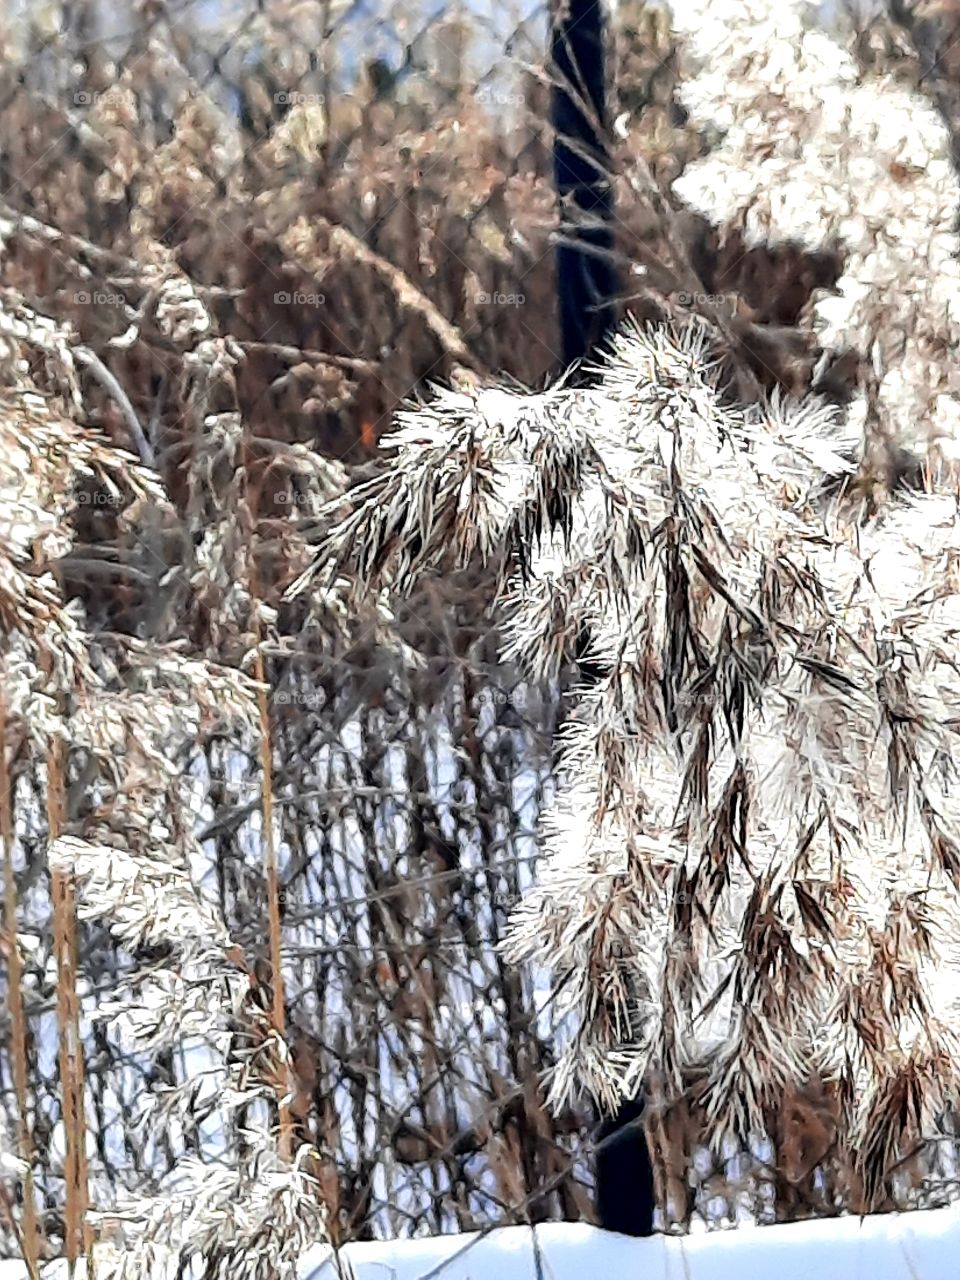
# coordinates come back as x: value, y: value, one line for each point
x: 99, y: 370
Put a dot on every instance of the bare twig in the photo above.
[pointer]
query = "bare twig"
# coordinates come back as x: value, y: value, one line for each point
x: 92, y: 361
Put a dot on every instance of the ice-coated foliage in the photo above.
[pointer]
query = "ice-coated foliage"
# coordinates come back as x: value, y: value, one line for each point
x: 752, y: 866
x: 813, y: 151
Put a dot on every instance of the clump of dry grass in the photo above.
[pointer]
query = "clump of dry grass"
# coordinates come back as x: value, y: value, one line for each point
x: 125, y: 713
x: 407, y: 211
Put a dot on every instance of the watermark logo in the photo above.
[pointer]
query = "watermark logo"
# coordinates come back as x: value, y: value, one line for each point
x: 292, y: 698
x: 99, y: 498
x: 101, y: 97
x: 98, y: 298
x: 687, y: 698
x: 703, y: 299
x: 487, y: 97
x: 499, y: 698
x: 299, y: 299
x: 484, y: 299
x: 293, y: 98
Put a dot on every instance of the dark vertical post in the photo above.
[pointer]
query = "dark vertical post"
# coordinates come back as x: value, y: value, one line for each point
x: 587, y: 287
x: 586, y: 279
x: 625, y: 1196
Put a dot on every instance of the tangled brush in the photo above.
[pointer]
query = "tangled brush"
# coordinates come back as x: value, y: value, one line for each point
x: 750, y: 872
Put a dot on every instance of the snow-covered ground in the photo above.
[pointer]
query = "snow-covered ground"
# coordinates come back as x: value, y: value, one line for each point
x: 912, y: 1246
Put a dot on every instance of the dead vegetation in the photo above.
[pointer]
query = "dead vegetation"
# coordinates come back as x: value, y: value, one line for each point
x: 224, y: 265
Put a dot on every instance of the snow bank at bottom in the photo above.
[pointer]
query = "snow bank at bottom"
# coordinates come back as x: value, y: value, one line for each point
x: 924, y: 1245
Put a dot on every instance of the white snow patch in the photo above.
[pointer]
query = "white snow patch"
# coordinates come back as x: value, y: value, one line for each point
x: 922, y: 1244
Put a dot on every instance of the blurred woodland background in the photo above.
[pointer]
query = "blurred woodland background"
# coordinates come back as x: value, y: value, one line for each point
x: 234, y: 239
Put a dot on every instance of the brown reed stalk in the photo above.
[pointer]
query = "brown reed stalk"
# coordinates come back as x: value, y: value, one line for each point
x: 79, y: 1084
x: 278, y: 1014
x: 77, y: 1236
x: 280, y: 1069
x: 31, y: 1234
x: 62, y: 905
x: 349, y: 247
